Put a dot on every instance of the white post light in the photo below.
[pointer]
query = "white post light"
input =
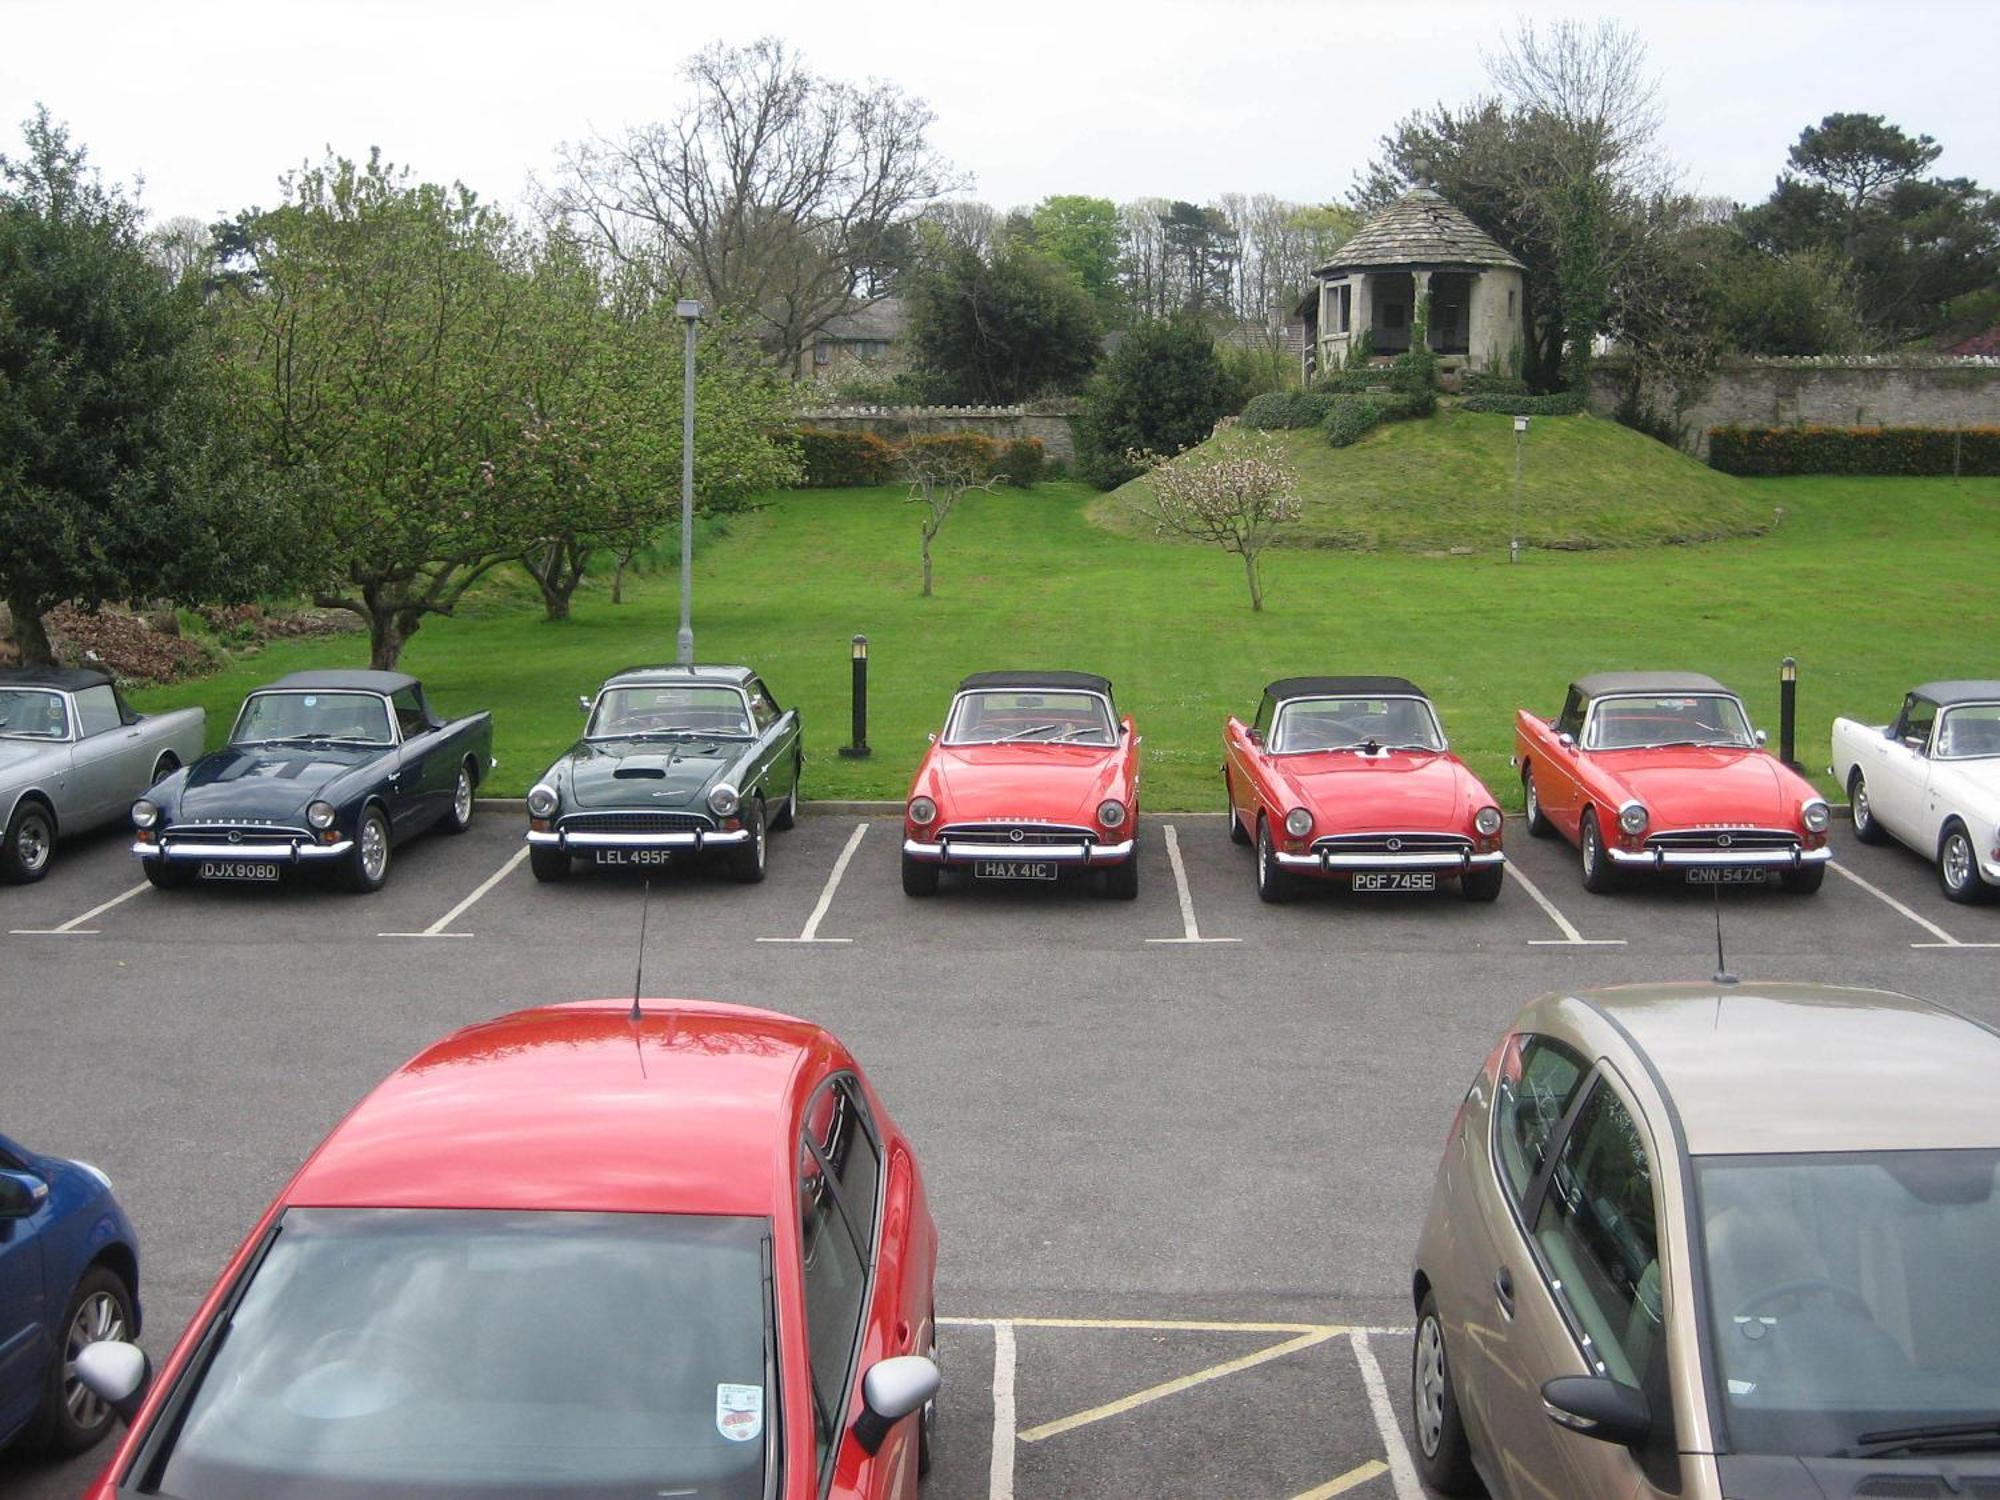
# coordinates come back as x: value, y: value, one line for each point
x: 689, y: 312
x: 1514, y: 542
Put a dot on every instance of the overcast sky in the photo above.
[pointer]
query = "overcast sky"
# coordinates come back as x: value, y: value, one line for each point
x: 1120, y: 98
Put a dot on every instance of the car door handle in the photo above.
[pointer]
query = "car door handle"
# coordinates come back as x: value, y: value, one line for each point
x: 1503, y: 1291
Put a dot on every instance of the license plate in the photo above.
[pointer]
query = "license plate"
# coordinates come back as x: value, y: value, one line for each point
x: 231, y: 869
x: 1013, y: 869
x: 1395, y: 880
x: 648, y: 857
x: 1727, y: 875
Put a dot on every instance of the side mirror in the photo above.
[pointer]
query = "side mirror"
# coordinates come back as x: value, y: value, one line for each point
x: 1760, y: 737
x: 890, y: 1391
x: 1255, y: 736
x: 116, y: 1374
x: 583, y: 702
x: 931, y: 739
x: 1597, y: 1407
x: 1125, y: 729
x: 1566, y: 740
x: 21, y: 1193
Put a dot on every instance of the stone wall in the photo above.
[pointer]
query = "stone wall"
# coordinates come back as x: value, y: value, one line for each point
x: 1858, y: 391
x: 1053, y: 422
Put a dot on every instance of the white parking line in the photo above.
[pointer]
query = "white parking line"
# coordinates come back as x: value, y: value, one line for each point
x: 1000, y: 1476
x: 811, y: 932
x: 74, y: 926
x: 1944, y: 939
x: 1190, y: 933
x: 1570, y: 938
x: 1402, y: 1473
x: 437, y: 928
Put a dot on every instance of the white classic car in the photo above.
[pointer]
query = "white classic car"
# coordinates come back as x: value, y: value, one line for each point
x: 1931, y: 780
x: 73, y: 755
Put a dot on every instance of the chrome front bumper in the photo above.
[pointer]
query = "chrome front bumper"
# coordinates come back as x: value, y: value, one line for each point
x: 1442, y: 861
x: 696, y: 840
x: 1711, y: 859
x: 963, y: 852
x: 291, y: 852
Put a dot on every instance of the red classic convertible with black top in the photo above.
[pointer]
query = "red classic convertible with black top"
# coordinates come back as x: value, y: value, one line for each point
x: 1349, y: 778
x: 1647, y: 771
x: 1034, y: 777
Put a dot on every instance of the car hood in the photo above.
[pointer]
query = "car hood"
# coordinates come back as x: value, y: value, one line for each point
x: 1344, y: 791
x: 647, y: 773
x: 991, y: 783
x: 264, y: 782
x: 15, y: 754
x: 1686, y: 786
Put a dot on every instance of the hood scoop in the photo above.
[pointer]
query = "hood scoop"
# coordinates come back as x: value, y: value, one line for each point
x: 640, y: 773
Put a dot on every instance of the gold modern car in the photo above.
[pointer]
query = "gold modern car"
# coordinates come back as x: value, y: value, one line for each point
x: 1702, y: 1241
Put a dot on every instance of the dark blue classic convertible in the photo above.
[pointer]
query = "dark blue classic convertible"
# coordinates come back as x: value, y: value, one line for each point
x: 323, y: 768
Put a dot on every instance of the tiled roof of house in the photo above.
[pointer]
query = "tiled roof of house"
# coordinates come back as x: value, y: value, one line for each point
x: 1419, y: 229
x: 885, y: 320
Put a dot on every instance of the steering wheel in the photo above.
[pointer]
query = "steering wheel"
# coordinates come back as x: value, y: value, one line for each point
x: 1803, y: 1286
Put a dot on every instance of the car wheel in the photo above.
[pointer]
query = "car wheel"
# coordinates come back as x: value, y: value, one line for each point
x: 1121, y: 881
x: 549, y: 862
x: 1866, y: 827
x: 920, y: 877
x: 1274, y: 881
x: 788, y: 813
x: 1804, y: 880
x: 1600, y: 876
x: 458, y: 817
x: 1538, y: 822
x: 1958, y: 865
x: 928, y: 1423
x: 1482, y: 884
x: 164, y: 767
x: 31, y: 843
x: 168, y: 877
x: 100, y: 1308
x: 1443, y: 1454
x: 368, y: 863
x: 747, y: 862
x: 1237, y: 833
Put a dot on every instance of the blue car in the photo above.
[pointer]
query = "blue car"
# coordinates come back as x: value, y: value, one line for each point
x: 69, y: 1276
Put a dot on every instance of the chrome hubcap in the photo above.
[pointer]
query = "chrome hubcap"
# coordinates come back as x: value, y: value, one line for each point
x: 1528, y: 795
x: 31, y: 844
x: 99, y: 1318
x: 1429, y: 1387
x: 1860, y: 799
x: 1263, y: 854
x: 374, y: 848
x: 1957, y: 861
x: 1590, y: 849
x: 461, y: 798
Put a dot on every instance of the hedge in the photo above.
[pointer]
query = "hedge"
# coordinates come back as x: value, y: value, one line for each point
x: 1562, y: 404
x: 1491, y: 383
x: 1759, y: 451
x: 1282, y: 409
x: 838, y: 460
x: 1353, y: 417
x: 835, y: 460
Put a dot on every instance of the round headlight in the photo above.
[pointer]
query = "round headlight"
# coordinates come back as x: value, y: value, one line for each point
x: 542, y: 800
x: 724, y: 800
x: 1487, y: 821
x: 1298, y: 822
x: 1816, y: 815
x: 1633, y: 818
x: 320, y: 815
x: 923, y: 811
x: 144, y: 814
x: 1111, y: 813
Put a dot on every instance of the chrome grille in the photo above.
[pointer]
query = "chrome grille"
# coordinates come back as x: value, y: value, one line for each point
x: 1748, y: 840
x: 1394, y: 843
x: 636, y: 822
x: 235, y: 833
x: 1025, y: 834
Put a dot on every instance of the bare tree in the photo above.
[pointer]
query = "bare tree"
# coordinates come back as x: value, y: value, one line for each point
x: 1236, y: 498
x: 1592, y: 83
x: 182, y: 246
x: 774, y: 192
x: 939, y: 478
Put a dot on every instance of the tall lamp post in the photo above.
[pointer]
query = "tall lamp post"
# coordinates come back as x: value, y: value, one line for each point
x: 689, y: 312
x: 1514, y: 542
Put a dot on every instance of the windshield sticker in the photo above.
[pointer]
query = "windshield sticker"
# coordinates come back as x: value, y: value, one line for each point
x: 311, y: 701
x: 739, y: 1412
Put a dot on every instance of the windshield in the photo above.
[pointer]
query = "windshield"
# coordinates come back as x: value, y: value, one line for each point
x: 677, y: 708
x: 1851, y: 1294
x: 31, y: 714
x: 1351, y: 723
x: 362, y: 718
x: 1639, y: 723
x: 987, y: 718
x: 1969, y: 733
x: 415, y: 1352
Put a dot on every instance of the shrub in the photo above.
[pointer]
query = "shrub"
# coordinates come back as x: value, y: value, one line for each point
x: 1275, y: 410
x: 834, y: 460
x: 1022, y: 462
x: 1160, y: 393
x: 1353, y: 417
x: 1854, y: 450
x: 970, y: 452
x: 1414, y: 373
x: 1491, y: 383
x: 1561, y: 404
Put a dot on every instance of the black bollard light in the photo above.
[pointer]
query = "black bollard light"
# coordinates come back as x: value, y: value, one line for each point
x: 859, y: 749
x: 1788, y: 711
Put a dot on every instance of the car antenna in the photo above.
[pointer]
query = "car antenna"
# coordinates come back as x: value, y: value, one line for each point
x: 1722, y: 974
x: 639, y: 969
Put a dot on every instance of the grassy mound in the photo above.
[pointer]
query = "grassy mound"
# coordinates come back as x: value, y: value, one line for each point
x: 1447, y: 484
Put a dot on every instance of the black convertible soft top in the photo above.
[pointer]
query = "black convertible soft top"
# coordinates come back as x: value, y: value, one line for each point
x: 1602, y: 684
x: 1344, y: 687
x: 1072, y: 682
x: 62, y: 679
x: 1970, y: 690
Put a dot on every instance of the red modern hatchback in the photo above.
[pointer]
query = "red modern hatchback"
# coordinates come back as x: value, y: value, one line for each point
x: 569, y: 1252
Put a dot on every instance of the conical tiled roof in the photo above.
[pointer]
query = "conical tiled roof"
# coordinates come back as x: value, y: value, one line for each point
x: 1419, y: 229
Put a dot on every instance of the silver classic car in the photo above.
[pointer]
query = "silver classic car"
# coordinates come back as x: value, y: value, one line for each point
x: 73, y: 755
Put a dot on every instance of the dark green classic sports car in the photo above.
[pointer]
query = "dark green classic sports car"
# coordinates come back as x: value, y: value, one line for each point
x: 674, y: 762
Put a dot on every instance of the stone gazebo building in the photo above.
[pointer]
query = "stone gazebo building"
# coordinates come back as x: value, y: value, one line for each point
x: 1419, y: 245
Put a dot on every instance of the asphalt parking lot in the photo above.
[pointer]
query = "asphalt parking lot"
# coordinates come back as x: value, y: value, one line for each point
x: 1179, y: 1148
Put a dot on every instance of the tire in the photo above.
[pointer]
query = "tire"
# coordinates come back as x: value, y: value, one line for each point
x: 920, y: 877
x: 1121, y: 882
x: 165, y: 766
x: 1538, y: 824
x: 1867, y: 827
x: 1804, y: 880
x: 100, y: 1308
x: 787, y: 815
x: 30, y: 844
x: 1275, y: 884
x: 748, y: 863
x: 927, y: 1424
x: 367, y: 866
x: 1482, y: 884
x: 550, y: 862
x: 1238, y: 835
x: 168, y: 877
x: 1443, y: 1455
x: 1958, y: 865
x: 458, y: 813
x: 1600, y: 876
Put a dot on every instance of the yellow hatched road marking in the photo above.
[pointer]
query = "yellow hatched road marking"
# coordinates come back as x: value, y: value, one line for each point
x: 1346, y: 1481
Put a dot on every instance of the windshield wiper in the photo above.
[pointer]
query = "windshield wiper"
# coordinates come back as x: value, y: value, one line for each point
x: 1021, y: 734
x: 1936, y: 1437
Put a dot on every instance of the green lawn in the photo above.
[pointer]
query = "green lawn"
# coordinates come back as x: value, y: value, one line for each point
x: 1872, y: 583
x: 1448, y: 482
